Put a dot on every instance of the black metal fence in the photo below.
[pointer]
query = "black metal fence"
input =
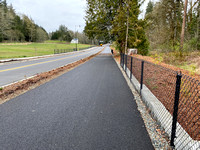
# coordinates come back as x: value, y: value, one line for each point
x: 60, y: 51
x: 178, y: 95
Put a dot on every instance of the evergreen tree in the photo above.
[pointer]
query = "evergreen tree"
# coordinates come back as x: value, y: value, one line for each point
x: 15, y: 28
x: 149, y: 8
x: 62, y: 34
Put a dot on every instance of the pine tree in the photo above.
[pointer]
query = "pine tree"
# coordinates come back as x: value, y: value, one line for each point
x: 14, y: 28
x: 149, y: 8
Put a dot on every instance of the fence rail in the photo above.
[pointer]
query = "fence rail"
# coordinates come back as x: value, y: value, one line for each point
x: 179, y: 98
x: 60, y: 51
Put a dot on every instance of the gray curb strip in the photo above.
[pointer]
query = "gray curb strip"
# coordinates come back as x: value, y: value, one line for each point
x: 183, y: 141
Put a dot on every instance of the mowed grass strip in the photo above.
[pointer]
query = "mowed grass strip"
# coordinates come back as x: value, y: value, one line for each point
x: 18, y: 50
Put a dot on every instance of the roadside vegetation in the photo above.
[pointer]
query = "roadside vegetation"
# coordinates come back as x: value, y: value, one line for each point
x: 190, y: 60
x: 171, y: 27
x: 173, y: 31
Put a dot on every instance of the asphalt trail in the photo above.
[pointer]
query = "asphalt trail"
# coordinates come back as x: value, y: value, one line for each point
x: 88, y: 108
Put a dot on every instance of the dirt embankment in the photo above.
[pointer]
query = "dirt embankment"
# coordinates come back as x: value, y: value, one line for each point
x: 16, y: 89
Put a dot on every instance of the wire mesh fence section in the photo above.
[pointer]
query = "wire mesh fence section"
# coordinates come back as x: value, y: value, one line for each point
x: 136, y: 68
x: 162, y: 82
x: 189, y: 106
x: 129, y: 62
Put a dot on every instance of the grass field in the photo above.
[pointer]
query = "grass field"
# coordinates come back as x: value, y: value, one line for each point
x: 17, y: 50
x: 56, y: 41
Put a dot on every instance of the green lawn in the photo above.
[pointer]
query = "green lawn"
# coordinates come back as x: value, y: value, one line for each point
x: 17, y: 50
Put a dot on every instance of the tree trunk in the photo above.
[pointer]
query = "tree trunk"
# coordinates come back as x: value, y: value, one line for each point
x: 183, y: 28
x: 198, y: 29
x: 126, y: 43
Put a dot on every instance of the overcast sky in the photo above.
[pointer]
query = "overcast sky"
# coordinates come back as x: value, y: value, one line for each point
x: 50, y: 13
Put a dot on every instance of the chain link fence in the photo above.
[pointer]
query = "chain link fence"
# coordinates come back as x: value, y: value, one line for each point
x: 177, y: 100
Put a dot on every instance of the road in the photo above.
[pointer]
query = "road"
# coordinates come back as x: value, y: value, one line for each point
x: 88, y: 108
x: 12, y: 72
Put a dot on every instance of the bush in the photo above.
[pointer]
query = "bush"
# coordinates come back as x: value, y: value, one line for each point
x: 143, y: 47
x: 191, y: 45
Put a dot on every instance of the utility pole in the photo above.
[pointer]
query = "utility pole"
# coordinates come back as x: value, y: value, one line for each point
x: 127, y: 27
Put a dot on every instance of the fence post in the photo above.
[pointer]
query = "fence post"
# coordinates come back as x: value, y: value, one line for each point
x: 126, y: 63
x: 142, y: 75
x: 175, y: 113
x: 123, y: 60
x: 131, y: 68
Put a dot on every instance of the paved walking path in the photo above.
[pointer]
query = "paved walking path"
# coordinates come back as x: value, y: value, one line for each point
x: 107, y: 50
x: 88, y: 108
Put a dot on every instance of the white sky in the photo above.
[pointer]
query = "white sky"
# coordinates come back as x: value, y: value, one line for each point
x: 51, y: 13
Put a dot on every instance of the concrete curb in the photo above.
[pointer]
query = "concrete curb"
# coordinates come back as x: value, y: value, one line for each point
x: 183, y: 141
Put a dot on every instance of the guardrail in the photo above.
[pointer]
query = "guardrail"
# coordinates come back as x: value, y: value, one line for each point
x: 177, y: 104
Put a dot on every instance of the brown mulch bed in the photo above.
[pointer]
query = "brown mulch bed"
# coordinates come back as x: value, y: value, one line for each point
x: 21, y: 87
x: 149, y: 59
